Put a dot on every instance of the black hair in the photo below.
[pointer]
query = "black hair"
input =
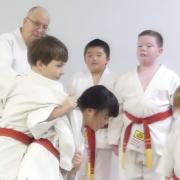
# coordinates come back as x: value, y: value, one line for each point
x: 99, y: 98
x: 98, y: 43
x: 46, y: 49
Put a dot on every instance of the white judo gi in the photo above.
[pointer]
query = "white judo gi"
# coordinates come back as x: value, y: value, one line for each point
x: 79, y: 83
x: 29, y: 103
x: 40, y: 164
x: 13, y: 54
x: 169, y: 161
x: 133, y: 99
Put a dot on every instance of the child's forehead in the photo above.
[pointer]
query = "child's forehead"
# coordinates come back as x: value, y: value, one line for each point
x: 146, y: 38
x: 95, y: 49
x: 56, y: 62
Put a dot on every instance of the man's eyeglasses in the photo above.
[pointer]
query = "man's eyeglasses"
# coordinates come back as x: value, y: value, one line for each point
x: 38, y: 24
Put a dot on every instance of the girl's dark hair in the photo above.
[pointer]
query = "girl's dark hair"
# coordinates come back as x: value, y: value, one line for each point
x: 99, y: 98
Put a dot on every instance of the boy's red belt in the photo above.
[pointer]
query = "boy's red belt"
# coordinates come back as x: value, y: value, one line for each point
x: 145, y: 121
x: 25, y: 139
x: 48, y: 145
x: 20, y: 136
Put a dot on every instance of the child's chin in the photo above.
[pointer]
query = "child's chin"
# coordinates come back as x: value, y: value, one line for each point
x: 94, y: 128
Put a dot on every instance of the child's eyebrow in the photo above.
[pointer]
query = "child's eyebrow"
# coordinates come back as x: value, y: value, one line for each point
x: 148, y: 43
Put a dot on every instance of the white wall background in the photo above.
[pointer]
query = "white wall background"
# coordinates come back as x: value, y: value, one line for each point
x: 118, y: 22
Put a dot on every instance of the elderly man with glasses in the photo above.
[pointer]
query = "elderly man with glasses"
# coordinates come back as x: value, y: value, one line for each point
x: 13, y: 46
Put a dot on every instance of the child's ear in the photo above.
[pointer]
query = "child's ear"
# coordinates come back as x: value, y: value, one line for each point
x: 90, y: 112
x: 39, y: 63
x: 89, y: 116
x: 161, y: 50
x: 107, y: 61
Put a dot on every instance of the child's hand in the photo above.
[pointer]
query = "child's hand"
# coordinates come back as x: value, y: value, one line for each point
x: 77, y: 160
x: 69, y: 103
x: 115, y: 149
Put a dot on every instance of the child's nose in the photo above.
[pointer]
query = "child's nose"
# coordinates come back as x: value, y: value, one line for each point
x: 144, y: 48
x: 95, y: 57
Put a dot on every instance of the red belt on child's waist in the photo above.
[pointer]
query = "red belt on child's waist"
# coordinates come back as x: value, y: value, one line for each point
x: 20, y: 136
x: 49, y: 146
x: 147, y: 137
x: 25, y: 139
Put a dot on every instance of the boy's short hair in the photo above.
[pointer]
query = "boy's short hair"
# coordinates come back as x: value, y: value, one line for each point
x: 46, y: 49
x: 176, y: 99
x: 155, y: 34
x: 99, y: 98
x: 98, y: 43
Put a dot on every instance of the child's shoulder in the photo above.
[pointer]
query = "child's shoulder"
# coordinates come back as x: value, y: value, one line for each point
x: 80, y: 74
x: 109, y: 74
x: 168, y: 69
x: 126, y: 75
x: 168, y: 72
